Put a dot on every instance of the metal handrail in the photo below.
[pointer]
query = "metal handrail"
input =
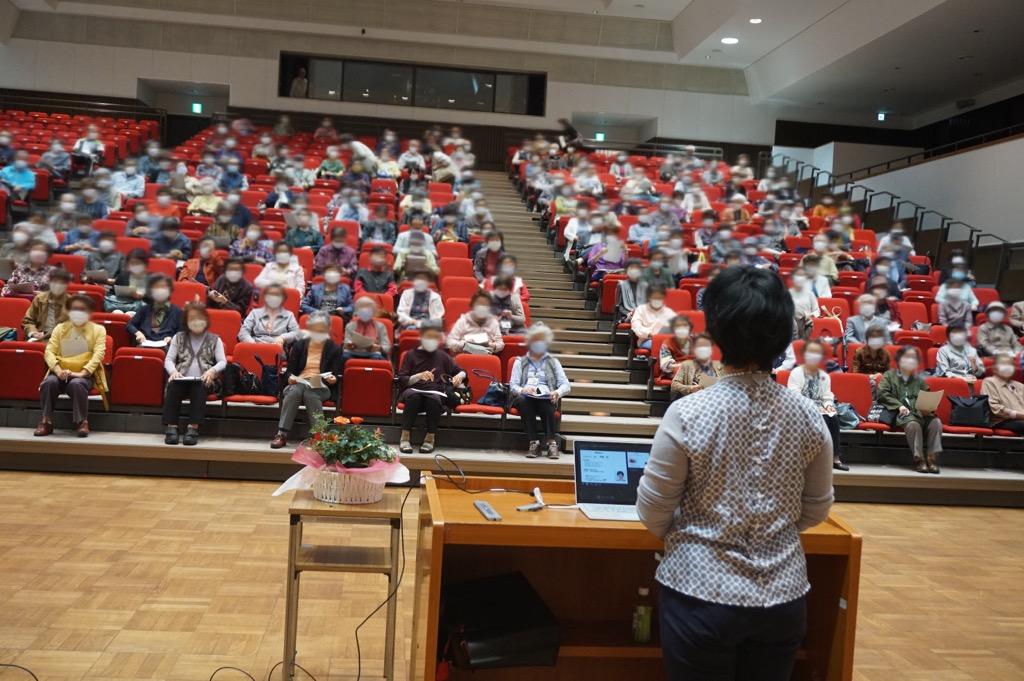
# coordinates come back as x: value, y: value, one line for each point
x: 935, y: 152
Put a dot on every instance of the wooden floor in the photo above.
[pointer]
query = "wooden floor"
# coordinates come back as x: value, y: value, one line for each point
x: 106, y: 577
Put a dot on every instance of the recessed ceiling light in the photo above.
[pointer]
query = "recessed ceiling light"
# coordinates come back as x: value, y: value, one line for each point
x: 451, y: 101
x: 730, y: 41
x: 707, y: 56
x: 755, y: 21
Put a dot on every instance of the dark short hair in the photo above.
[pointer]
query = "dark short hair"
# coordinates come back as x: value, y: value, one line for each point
x: 60, y: 273
x: 634, y: 262
x: 480, y: 294
x: 505, y: 282
x: 656, y: 288
x: 137, y: 254
x: 431, y: 325
x: 284, y: 243
x: 682, y: 318
x: 873, y: 331
x: 749, y: 316
x: 80, y: 298
x: 159, y: 278
x: 905, y: 349
x: 199, y: 309
x: 958, y: 326
x: 234, y: 261
x: 339, y: 231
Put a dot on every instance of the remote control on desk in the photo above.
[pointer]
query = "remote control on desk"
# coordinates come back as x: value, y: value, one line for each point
x: 487, y: 511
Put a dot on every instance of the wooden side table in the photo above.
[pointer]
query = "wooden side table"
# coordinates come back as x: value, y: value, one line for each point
x: 359, y: 559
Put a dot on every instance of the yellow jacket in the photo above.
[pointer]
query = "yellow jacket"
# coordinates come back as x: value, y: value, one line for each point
x: 91, y: 362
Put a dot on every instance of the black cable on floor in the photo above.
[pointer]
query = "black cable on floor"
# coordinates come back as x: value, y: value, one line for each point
x: 18, y: 666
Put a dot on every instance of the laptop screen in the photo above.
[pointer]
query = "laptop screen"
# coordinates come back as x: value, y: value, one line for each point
x: 609, y: 472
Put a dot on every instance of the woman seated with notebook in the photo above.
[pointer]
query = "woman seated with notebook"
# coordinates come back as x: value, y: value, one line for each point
x: 366, y: 337
x: 421, y: 380
x: 194, y: 359
x: 314, y: 364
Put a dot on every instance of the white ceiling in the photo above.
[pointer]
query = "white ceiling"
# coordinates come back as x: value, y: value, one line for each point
x: 662, y: 10
x: 920, y: 65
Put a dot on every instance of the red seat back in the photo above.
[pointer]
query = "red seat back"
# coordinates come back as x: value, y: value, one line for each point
x: 953, y: 387
x: 188, y: 292
x: 75, y: 264
x: 452, y: 249
x: 12, y: 310
x: 489, y: 363
x: 458, y: 287
x: 453, y: 309
x: 226, y: 324
x: 678, y: 300
x: 137, y: 379
x: 246, y: 354
x: 366, y: 390
x: 854, y: 389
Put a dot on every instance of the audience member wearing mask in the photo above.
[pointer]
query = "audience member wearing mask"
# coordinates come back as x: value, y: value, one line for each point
x: 209, y: 168
x: 897, y: 241
x: 105, y: 257
x: 89, y: 150
x: 678, y: 348
x: 332, y: 296
x: 16, y: 250
x: 163, y: 206
x: 421, y: 384
x: 884, y: 267
x: 194, y: 353
x: 651, y: 318
x: 281, y: 197
x: 206, y: 264
x: 657, y: 272
x: 507, y: 267
x: 158, y: 319
x: 338, y: 253
x: 74, y: 375
x: 241, y: 215
x: 170, y: 242
x: 91, y: 203
x: 687, y: 377
x: 127, y: 182
x: 867, y: 316
x: 508, y: 307
x: 378, y: 229
x: 631, y: 292
x: 223, y: 227
x: 419, y: 304
x: 133, y: 275
x: 66, y: 217
x: 271, y: 323
x: 897, y: 392
x: 378, y: 277
x: 995, y: 336
x: 305, y: 234
x: 872, y: 358
x: 56, y: 160
x: 230, y: 291
x: 82, y: 239
x: 284, y: 270
x: 724, y: 243
x: 805, y: 303
x: 957, y: 359
x: 606, y: 257
x: 826, y: 207
x: 364, y: 323
x: 48, y: 308
x: 820, y: 286
x: 332, y: 167
x: 478, y: 326
x: 253, y: 247
x: 416, y: 226
x: 813, y: 382
x: 958, y: 274
x: 954, y: 309
x: 1005, y: 396
x: 17, y: 178
x: 538, y: 382
x: 957, y: 261
x: 417, y: 246
x: 643, y: 230
x: 207, y: 202
x: 485, y: 264
x: 312, y: 359
x: 36, y: 271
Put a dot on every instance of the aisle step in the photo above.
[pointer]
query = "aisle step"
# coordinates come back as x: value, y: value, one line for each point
x: 574, y: 324
x: 596, y: 376
x: 593, y: 361
x: 625, y: 426
x: 537, y: 304
x: 583, y: 336
x: 572, y: 405
x: 606, y: 391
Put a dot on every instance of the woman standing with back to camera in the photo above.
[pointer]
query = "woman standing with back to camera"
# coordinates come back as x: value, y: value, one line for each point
x: 736, y: 472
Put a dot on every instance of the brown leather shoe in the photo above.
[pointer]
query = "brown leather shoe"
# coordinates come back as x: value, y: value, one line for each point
x: 43, y: 429
x: 553, y: 452
x: 280, y: 440
x: 933, y: 463
x: 921, y: 466
x: 82, y: 429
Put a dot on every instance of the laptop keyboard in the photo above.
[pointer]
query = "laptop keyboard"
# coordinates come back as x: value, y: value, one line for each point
x: 610, y: 508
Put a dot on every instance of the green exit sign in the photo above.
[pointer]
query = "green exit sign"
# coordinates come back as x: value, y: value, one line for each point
x: 599, y: 136
x: 197, y: 107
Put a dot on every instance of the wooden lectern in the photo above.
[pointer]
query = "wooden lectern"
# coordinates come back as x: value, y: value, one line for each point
x: 588, y: 573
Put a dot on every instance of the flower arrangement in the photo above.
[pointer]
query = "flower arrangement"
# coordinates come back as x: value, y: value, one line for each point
x: 342, y: 444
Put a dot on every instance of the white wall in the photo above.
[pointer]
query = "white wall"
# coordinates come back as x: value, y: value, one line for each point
x: 103, y: 70
x: 847, y: 157
x: 805, y: 154
x: 824, y: 157
x: 980, y: 187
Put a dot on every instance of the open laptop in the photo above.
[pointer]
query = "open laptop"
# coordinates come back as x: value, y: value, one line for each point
x: 607, y: 477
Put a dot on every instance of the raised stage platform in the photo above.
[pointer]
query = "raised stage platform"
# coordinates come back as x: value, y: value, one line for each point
x: 251, y: 459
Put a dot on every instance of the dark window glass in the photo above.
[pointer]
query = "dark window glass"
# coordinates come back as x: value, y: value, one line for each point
x: 325, y: 79
x: 511, y: 93
x: 378, y: 83
x: 451, y: 89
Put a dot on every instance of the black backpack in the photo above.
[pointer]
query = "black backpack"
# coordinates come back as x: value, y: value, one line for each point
x: 237, y: 380
x: 969, y: 412
x: 268, y: 382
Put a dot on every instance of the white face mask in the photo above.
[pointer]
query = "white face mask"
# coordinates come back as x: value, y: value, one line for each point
x: 820, y: 246
x: 253, y: 235
x: 204, y: 252
x: 957, y: 339
x: 813, y: 358
x: 908, y: 365
x: 682, y: 334
x: 58, y: 289
x: 429, y: 344
x: 867, y: 310
x: 656, y: 303
x: 137, y: 269
x: 702, y: 353
x: 675, y: 243
x: 19, y: 238
x: 882, y: 269
x: 876, y: 343
x: 318, y: 336
x: 39, y: 257
x: 234, y: 199
x: 332, y: 277
x: 160, y: 294
x: 420, y: 285
x: 482, y: 311
x: 197, y: 325
x: 68, y: 206
x: 633, y: 274
x: 494, y: 246
x: 106, y: 246
x: 283, y: 258
x: 996, y: 316
x: 799, y: 280
x: 163, y: 201
x: 1004, y: 370
x: 234, y: 276
x: 78, y: 317
x: 273, y: 302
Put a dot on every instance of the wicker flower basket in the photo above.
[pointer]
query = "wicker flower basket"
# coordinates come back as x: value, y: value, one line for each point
x: 340, y: 488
